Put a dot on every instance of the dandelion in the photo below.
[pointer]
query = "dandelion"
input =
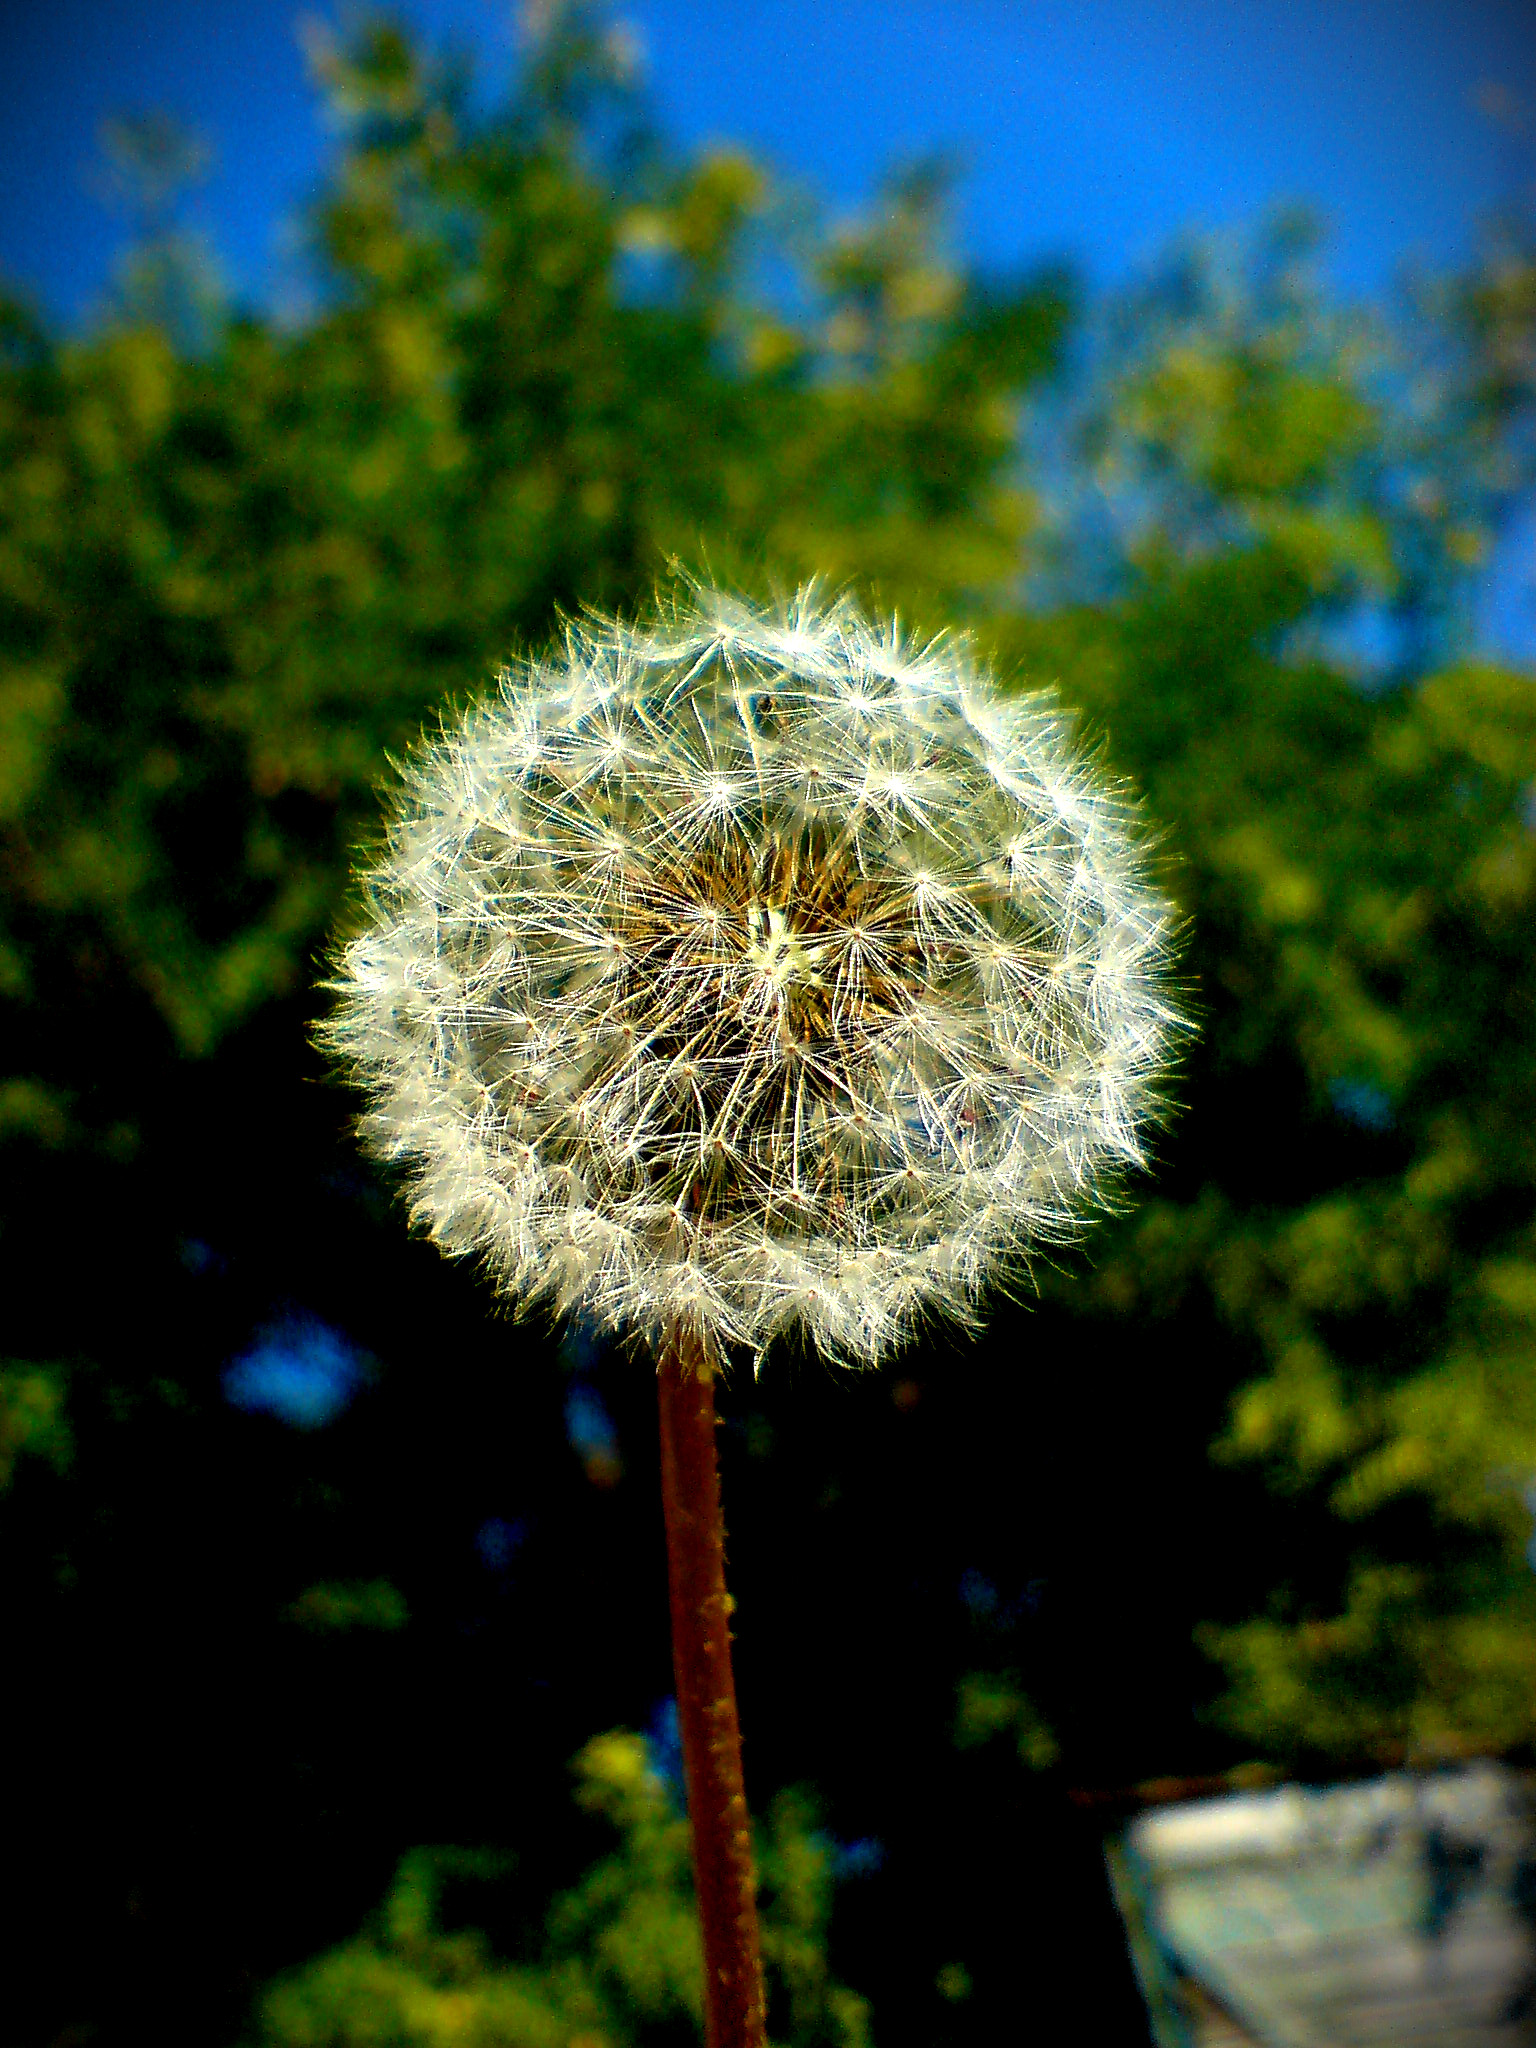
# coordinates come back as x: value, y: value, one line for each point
x: 745, y: 972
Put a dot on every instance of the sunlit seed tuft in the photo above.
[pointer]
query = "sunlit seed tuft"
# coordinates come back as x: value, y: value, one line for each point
x: 753, y: 970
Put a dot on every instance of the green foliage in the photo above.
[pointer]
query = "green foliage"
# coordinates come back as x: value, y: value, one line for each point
x: 242, y: 559
x: 229, y: 581
x: 333, y: 1606
x: 1240, y: 406
x: 990, y: 1704
x: 32, y: 1418
x: 1360, y: 873
x: 618, y: 1959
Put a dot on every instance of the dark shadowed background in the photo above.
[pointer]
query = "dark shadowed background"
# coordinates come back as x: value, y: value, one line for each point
x: 328, y: 375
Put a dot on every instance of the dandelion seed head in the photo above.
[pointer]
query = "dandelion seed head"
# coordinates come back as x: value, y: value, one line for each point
x: 751, y: 969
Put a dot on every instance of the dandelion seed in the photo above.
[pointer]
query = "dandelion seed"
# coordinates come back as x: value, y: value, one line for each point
x: 743, y: 969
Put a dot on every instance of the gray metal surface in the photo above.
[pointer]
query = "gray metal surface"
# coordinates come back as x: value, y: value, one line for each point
x: 1397, y: 1913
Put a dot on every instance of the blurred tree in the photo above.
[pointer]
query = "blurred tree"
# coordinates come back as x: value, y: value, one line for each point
x: 231, y: 580
x: 618, y: 1960
x: 1359, y: 862
x: 263, y: 1656
x: 234, y: 569
x: 150, y: 164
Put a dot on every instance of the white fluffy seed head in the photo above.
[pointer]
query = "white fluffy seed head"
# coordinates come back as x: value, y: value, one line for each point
x: 750, y: 970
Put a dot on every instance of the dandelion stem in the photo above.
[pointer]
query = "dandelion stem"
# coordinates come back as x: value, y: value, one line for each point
x: 724, y: 1874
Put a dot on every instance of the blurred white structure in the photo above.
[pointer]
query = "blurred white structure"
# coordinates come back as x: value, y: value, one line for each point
x: 1396, y: 1912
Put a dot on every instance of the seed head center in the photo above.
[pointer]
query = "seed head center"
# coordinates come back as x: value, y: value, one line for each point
x: 777, y: 952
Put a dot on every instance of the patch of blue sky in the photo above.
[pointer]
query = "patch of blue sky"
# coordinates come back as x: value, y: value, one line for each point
x: 1506, y: 609
x: 201, y: 1259
x: 858, y: 1859
x: 588, y: 1425
x: 498, y: 1540
x: 298, y: 1370
x: 664, y: 1747
x: 1098, y: 132
x: 1363, y: 1104
x: 978, y: 1595
x: 985, y: 1603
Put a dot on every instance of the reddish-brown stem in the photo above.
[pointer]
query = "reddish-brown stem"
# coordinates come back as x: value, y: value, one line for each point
x: 723, y: 1870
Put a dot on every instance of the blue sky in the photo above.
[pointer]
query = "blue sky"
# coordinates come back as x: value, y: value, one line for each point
x: 298, y: 1369
x: 1094, y: 129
